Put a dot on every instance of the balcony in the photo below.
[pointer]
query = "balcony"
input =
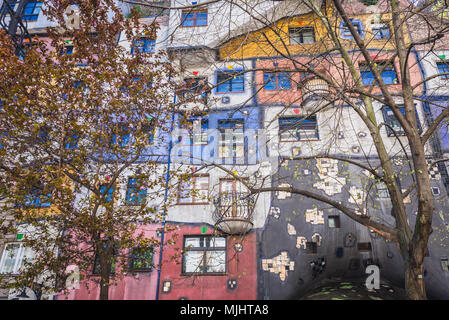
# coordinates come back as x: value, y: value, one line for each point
x: 234, y: 212
x: 314, y: 89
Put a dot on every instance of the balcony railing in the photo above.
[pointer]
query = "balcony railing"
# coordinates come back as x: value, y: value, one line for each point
x: 314, y: 89
x: 234, y: 212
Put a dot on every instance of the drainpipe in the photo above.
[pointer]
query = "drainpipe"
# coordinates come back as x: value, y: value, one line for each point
x: 170, y: 145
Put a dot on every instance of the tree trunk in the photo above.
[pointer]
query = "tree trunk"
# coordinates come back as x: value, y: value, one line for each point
x: 104, y: 274
x: 104, y: 289
x: 414, y: 281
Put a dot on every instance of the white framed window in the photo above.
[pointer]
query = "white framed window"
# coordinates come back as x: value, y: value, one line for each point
x: 13, y: 257
x: 194, y: 191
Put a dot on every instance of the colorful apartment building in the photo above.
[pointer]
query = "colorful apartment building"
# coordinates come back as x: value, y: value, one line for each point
x: 245, y: 67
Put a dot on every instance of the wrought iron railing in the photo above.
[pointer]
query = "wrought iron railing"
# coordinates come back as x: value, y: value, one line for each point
x: 234, y: 212
x: 11, y: 21
x: 314, y: 89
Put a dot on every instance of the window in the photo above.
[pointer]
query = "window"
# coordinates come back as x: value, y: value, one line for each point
x: 107, y: 194
x: 445, y: 264
x: 346, y: 33
x: 68, y: 50
x: 231, y: 192
x: 5, y: 8
x: 392, y: 121
x: 195, y: 87
x: 71, y: 141
x: 195, y: 190
x: 381, y: 31
x: 382, y: 191
x: 143, y: 45
x: 301, y: 35
x: 364, y: 246
x: 199, y: 133
x: 136, y: 192
x: 13, y: 257
x: 122, y: 137
x: 311, y: 247
x: 204, y: 255
x: 197, y: 129
x: 38, y: 198
x: 151, y: 131
x: 232, y: 143
x: 194, y: 18
x: 443, y: 67
x: 141, y: 259
x: 43, y: 135
x: 31, y: 11
x: 276, y: 81
x: 230, y: 81
x: 112, y: 262
x: 298, y: 129
x: 334, y: 221
x: 387, y: 72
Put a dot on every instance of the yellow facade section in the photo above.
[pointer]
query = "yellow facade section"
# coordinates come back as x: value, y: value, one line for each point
x: 274, y: 40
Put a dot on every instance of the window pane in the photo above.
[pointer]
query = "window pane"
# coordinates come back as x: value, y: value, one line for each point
x: 270, y: 81
x: 193, y: 242
x: 10, y: 256
x: 193, y: 261
x: 215, y: 261
x: 218, y: 242
x: 284, y: 81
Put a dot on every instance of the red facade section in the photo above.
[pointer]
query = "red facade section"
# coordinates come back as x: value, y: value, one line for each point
x: 239, y: 282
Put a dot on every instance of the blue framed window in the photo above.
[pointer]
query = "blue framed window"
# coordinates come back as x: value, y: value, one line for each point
x: 143, y: 45
x: 68, y: 50
x: 71, y: 141
x: 381, y: 31
x: 298, y: 129
x: 43, y: 135
x: 301, y: 35
x: 136, y: 193
x: 37, y: 199
x: 107, y: 194
x: 122, y: 137
x: 194, y: 18
x: 230, y: 81
x: 346, y: 33
x: 393, y: 122
x: 276, y: 81
x: 31, y: 11
x: 388, y: 73
x: 5, y: 9
x: 443, y: 67
x: 3, y: 135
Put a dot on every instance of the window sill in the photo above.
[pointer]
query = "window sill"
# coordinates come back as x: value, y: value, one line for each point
x: 229, y: 92
x: 192, y: 203
x: 308, y: 140
x: 205, y: 25
x: 189, y: 274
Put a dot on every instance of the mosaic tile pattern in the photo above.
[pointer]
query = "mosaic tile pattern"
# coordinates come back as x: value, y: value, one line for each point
x: 279, y: 265
x: 328, y: 173
x: 314, y: 216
